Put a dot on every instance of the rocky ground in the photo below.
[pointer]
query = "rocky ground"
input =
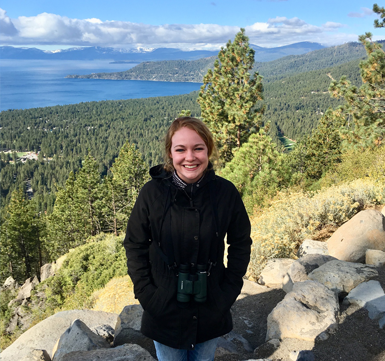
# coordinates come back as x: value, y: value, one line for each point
x: 358, y: 338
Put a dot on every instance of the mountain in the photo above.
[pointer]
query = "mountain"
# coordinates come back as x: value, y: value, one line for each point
x: 194, y: 70
x: 140, y: 54
x: 269, y: 54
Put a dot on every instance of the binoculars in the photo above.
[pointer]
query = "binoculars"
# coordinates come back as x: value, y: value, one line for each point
x: 192, y: 284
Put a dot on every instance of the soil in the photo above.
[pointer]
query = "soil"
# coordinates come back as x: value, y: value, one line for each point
x: 358, y: 338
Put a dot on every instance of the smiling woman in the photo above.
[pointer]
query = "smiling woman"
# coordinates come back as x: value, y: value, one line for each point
x: 175, y: 246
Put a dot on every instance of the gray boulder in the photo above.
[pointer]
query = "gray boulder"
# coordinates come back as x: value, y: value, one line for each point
x: 364, y: 231
x: 341, y: 277
x: 309, y: 246
x: 47, y: 271
x: 311, y: 308
x: 120, y: 353
x: 10, y: 283
x: 127, y: 329
x: 45, y: 334
x: 274, y: 272
x: 299, y: 269
x: 78, y: 337
x: 26, y: 288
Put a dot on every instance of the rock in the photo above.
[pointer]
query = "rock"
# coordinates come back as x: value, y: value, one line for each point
x: 46, y: 271
x: 304, y: 313
x: 381, y: 323
x: 233, y: 343
x: 12, y: 324
x: 376, y: 308
x: 299, y: 269
x: 127, y: 329
x: 309, y: 246
x: 78, y: 337
x: 10, y: 283
x: 302, y: 356
x: 383, y: 211
x: 364, y: 293
x: 364, y: 231
x: 274, y: 272
x: 268, y: 348
x: 105, y: 331
x: 38, y: 337
x: 40, y: 355
x: 129, y: 352
x: 375, y: 258
x: 129, y: 320
x: 323, y: 336
x: 26, y: 288
x: 341, y: 277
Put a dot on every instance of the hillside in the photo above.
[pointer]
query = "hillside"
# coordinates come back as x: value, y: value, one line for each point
x: 193, y: 71
x: 65, y: 134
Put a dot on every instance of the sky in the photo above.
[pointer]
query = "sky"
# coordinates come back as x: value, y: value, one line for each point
x: 184, y: 24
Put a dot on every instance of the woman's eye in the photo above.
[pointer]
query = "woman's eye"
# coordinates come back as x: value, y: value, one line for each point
x: 179, y: 150
x: 199, y: 149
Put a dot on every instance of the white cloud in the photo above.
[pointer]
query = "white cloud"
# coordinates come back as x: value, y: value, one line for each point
x: 6, y: 26
x: 363, y: 14
x: 50, y: 29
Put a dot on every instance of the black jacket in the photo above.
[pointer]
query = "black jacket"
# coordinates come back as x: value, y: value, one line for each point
x: 188, y: 219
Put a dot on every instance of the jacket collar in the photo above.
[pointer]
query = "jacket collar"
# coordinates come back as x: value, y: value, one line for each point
x: 159, y: 173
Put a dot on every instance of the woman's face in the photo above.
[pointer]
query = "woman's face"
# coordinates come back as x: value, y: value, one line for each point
x: 189, y: 154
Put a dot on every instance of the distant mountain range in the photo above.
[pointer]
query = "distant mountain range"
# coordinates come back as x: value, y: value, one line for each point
x: 194, y: 70
x: 140, y: 54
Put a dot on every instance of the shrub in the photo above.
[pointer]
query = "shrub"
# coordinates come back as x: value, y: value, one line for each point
x: 280, y: 229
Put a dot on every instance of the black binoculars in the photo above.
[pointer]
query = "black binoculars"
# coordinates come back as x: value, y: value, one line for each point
x: 192, y: 283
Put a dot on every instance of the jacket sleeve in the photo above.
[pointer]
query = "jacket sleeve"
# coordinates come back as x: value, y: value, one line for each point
x: 136, y: 244
x: 239, y: 241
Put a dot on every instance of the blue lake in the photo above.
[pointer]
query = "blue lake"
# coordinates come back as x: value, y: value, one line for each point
x: 40, y: 83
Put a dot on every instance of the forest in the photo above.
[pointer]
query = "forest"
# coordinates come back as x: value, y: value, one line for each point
x: 86, y: 151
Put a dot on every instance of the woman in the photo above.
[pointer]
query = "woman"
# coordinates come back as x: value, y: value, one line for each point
x: 175, y: 246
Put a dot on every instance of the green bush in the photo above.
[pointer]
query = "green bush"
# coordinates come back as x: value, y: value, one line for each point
x: 86, y: 269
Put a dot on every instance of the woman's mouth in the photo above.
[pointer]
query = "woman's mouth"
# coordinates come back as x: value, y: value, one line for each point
x: 190, y: 166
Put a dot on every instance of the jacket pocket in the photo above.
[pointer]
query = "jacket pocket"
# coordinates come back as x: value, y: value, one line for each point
x: 159, y: 303
x: 222, y: 295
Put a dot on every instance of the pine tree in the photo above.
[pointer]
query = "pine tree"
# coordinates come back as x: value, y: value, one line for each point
x: 229, y: 96
x: 364, y: 108
x: 323, y: 147
x: 129, y: 173
x: 258, y: 170
x: 20, y: 239
x: 77, y: 212
x: 381, y: 12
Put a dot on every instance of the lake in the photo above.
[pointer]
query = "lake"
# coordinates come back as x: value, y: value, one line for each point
x: 40, y: 83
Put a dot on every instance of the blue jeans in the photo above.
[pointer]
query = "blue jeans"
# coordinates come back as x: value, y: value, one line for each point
x: 204, y: 351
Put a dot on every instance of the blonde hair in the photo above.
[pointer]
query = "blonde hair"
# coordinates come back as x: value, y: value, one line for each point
x: 194, y: 124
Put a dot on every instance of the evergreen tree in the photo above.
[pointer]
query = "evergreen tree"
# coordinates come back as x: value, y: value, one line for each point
x: 77, y: 211
x: 364, y: 107
x: 323, y: 147
x: 258, y: 170
x: 381, y: 12
x: 20, y: 239
x: 229, y: 96
x: 129, y: 173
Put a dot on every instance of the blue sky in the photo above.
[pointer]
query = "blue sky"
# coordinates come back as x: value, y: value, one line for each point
x: 198, y: 24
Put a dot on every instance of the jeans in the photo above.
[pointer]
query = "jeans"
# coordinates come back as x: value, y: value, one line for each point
x: 204, y: 351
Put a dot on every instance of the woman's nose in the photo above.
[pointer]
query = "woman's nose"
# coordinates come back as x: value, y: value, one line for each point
x: 190, y: 155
